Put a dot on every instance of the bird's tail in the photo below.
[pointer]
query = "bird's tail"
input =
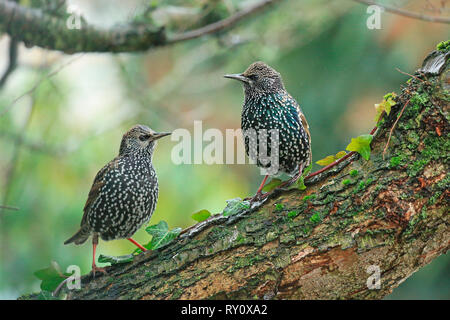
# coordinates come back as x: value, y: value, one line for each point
x: 80, y: 237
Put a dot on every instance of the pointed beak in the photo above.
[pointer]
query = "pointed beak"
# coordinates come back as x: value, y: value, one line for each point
x: 237, y: 76
x: 159, y: 135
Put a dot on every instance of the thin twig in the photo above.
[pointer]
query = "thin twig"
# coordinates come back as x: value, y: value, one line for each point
x: 37, y: 84
x: 406, y: 73
x: 32, y: 21
x: 9, y: 208
x: 335, y: 163
x: 222, y: 24
x: 406, y: 13
x: 12, y: 63
x: 393, y: 127
x: 58, y: 288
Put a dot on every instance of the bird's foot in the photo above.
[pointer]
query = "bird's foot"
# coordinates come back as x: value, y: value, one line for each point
x: 95, y: 269
x: 259, y: 196
x: 285, y: 185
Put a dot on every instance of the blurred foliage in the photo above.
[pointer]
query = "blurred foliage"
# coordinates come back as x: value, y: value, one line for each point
x: 55, y: 139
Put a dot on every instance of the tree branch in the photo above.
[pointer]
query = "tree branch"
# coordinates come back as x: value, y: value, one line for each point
x: 406, y: 13
x: 12, y: 63
x: 322, y: 243
x: 37, y: 28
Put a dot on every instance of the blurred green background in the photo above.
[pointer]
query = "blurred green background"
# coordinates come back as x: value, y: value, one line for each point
x: 55, y: 138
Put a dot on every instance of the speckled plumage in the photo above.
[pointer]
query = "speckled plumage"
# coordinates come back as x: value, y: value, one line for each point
x: 268, y: 105
x: 124, y: 192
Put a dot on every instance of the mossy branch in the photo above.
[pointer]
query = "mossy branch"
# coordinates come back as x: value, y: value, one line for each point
x: 325, y: 242
x: 36, y: 27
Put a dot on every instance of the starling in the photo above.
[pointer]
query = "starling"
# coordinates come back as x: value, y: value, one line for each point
x: 268, y: 106
x: 124, y: 193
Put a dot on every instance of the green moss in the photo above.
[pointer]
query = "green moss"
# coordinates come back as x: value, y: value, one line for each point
x: 310, y: 197
x: 434, y: 198
x: 354, y: 173
x: 292, y: 214
x: 279, y: 207
x: 418, y: 100
x: 242, y: 262
x: 316, y: 218
x: 346, y: 182
x: 306, y: 230
x: 177, y: 294
x: 417, y: 167
x: 362, y: 185
x: 394, y: 162
x: 443, y: 46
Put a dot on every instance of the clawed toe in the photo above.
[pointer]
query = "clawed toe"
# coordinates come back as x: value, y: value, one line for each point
x: 95, y: 269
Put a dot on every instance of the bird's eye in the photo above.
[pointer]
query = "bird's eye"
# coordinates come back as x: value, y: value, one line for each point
x: 144, y: 137
x: 253, y: 77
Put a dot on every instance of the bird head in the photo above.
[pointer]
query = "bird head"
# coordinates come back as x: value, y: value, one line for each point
x: 259, y: 78
x: 140, y: 139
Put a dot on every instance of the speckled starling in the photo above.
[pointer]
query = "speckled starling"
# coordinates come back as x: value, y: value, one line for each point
x: 268, y: 106
x: 124, y: 193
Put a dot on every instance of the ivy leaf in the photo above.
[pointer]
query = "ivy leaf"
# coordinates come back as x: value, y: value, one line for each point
x: 385, y: 105
x: 272, y: 185
x: 201, y: 215
x: 340, y: 154
x: 326, y: 161
x: 115, y: 260
x: 330, y: 159
x: 361, y: 145
x: 161, y: 235
x: 46, y: 295
x: 234, y: 206
x: 51, y: 277
x: 300, y: 183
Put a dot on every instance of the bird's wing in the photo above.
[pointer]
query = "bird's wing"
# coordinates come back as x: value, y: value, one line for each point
x: 96, y: 188
x: 304, y: 123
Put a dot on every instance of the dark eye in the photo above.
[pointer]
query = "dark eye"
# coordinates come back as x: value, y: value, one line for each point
x: 144, y: 137
x: 253, y: 77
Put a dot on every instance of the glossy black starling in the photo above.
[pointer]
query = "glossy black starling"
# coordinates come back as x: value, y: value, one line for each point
x: 269, y: 106
x: 124, y: 193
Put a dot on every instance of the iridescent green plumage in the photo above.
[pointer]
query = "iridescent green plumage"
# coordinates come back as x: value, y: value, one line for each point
x: 268, y: 106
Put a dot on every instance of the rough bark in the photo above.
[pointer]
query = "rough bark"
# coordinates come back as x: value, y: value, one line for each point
x: 389, y: 212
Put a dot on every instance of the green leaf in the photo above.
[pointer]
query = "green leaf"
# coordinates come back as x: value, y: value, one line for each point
x: 51, y: 277
x: 46, y: 295
x: 115, y: 260
x: 234, y: 206
x: 161, y: 235
x: 385, y: 105
x: 330, y: 159
x: 51, y: 284
x: 361, y: 145
x: 340, y: 154
x: 300, y: 183
x: 326, y: 161
x: 201, y: 215
x: 272, y: 185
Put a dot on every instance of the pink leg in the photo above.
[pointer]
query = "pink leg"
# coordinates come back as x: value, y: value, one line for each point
x: 94, y: 266
x: 137, y: 244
